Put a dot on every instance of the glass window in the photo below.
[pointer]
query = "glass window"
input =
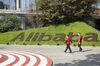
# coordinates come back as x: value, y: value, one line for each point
x: 8, y: 4
x: 21, y: 5
x: 27, y: 5
x: 12, y: 4
x: 1, y: 4
x: 97, y: 5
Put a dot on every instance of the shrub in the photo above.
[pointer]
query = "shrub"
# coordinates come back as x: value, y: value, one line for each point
x: 9, y: 22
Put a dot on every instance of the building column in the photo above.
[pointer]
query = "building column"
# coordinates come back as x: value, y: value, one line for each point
x: 17, y: 5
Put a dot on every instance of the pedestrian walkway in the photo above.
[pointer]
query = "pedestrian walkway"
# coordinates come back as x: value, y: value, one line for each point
x: 14, y: 58
x: 90, y: 56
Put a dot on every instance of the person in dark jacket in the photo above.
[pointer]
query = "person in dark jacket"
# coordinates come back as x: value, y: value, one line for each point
x: 79, y: 40
x: 68, y: 42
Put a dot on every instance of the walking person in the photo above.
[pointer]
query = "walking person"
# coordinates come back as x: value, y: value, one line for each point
x: 68, y: 42
x: 80, y: 37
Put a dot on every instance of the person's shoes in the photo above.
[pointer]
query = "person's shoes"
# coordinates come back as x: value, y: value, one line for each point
x: 65, y: 51
x: 70, y: 52
x: 80, y: 50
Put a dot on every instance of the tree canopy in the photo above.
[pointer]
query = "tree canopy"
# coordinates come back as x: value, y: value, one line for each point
x: 64, y: 11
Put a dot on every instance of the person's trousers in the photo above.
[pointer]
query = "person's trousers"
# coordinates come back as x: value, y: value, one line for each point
x: 68, y: 47
x: 80, y: 48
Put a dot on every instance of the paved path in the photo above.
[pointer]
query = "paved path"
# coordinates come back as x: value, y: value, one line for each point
x: 89, y: 57
x: 14, y: 58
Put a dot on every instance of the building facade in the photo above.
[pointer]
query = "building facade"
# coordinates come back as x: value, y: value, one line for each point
x: 20, y: 7
x: 17, y: 6
x: 97, y: 9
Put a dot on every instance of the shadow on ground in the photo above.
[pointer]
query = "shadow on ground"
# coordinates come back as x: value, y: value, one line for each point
x: 83, y: 51
x: 92, y: 60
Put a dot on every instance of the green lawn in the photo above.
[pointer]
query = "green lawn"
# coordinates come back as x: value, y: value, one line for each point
x: 52, y: 30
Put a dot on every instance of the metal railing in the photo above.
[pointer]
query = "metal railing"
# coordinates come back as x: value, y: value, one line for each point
x: 18, y: 11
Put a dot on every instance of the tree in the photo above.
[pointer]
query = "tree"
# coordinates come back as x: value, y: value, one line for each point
x: 62, y: 11
x: 9, y: 22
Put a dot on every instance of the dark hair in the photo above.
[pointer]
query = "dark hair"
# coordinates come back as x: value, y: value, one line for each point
x: 70, y: 32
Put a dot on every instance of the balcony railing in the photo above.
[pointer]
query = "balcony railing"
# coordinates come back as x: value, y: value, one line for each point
x: 17, y: 11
